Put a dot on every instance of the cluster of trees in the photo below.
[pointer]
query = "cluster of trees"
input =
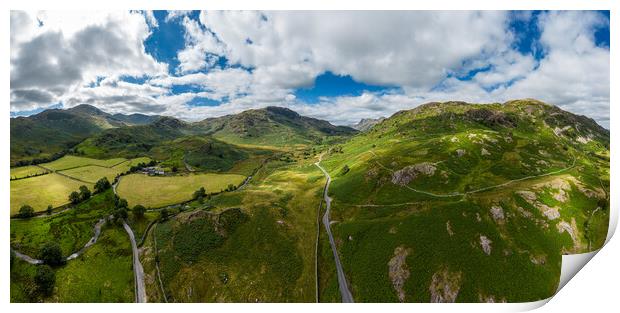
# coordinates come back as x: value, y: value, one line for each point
x: 35, y: 161
x: 76, y: 197
x: 231, y: 187
x: 84, y: 193
x: 29, y: 176
x: 141, y: 165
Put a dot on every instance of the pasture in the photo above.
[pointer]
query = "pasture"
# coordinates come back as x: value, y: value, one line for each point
x: 71, y: 161
x: 156, y: 191
x: 25, y: 171
x: 41, y: 191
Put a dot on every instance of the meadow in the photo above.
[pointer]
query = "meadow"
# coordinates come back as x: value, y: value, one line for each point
x: 25, y: 171
x: 159, y: 191
x: 71, y: 161
x: 41, y: 191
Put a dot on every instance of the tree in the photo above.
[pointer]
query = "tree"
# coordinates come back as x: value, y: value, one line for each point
x: 51, y: 254
x: 119, y: 214
x: 163, y: 214
x: 45, y: 279
x: 101, y: 185
x: 49, y: 210
x: 121, y: 203
x: 138, y: 211
x: 26, y: 211
x: 84, y: 193
x: 200, y: 193
x: 74, y: 197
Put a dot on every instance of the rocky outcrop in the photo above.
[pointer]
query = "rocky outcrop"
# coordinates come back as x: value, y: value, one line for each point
x: 405, y: 175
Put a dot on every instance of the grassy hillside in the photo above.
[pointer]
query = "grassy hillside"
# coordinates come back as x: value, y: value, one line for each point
x: 482, y: 199
x: 271, y: 126
x: 56, y: 131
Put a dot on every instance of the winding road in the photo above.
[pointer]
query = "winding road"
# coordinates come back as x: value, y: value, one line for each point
x: 138, y: 271
x: 92, y: 241
x: 342, y: 279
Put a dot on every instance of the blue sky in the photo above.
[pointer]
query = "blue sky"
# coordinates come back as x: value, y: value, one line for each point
x: 341, y: 66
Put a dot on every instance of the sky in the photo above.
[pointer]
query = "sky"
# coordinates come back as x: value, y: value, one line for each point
x: 339, y: 66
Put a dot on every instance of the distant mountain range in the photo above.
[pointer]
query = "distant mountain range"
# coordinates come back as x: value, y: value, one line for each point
x: 50, y: 133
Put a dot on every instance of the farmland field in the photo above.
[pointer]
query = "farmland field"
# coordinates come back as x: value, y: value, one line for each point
x: 70, y: 161
x: 161, y: 191
x: 25, y: 171
x: 41, y: 191
x: 92, y: 173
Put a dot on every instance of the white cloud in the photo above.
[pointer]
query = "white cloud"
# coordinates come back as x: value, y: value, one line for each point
x: 72, y: 49
x: 416, y: 51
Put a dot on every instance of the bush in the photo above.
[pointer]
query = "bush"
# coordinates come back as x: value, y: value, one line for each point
x: 49, y: 210
x: 26, y: 211
x: 200, y: 193
x: 45, y: 279
x: 51, y: 254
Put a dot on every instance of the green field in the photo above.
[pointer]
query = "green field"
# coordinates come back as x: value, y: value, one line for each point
x: 268, y: 256
x: 25, y: 171
x: 41, y: 191
x: 70, y: 161
x: 102, y: 274
x: 156, y: 191
x: 92, y: 173
x: 71, y: 230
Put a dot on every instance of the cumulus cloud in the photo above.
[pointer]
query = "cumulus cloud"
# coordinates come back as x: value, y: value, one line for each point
x: 56, y: 52
x: 428, y: 56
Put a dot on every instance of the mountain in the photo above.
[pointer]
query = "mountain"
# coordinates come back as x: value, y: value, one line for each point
x: 462, y: 196
x: 367, y: 123
x: 132, y: 141
x: 54, y: 131
x: 136, y: 118
x: 271, y: 126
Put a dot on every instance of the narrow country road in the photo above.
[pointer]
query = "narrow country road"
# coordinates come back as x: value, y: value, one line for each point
x: 138, y: 271
x: 342, y: 279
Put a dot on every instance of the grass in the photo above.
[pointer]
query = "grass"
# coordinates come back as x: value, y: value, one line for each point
x: 156, y: 191
x: 264, y: 254
x: 25, y: 171
x: 102, y: 274
x: 71, y: 161
x: 41, y: 191
x: 71, y: 230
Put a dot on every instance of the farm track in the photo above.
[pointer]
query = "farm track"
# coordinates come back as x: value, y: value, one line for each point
x: 342, y: 279
x: 460, y: 194
x: 74, y: 255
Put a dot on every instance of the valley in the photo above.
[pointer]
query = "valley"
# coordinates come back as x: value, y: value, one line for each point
x: 446, y: 202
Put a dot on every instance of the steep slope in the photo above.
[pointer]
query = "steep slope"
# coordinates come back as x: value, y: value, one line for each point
x: 132, y: 141
x: 54, y: 131
x: 271, y: 126
x: 367, y: 123
x: 474, y: 202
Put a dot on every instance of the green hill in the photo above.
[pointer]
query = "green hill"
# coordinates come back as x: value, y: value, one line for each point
x: 480, y: 199
x: 55, y: 131
x: 271, y: 126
